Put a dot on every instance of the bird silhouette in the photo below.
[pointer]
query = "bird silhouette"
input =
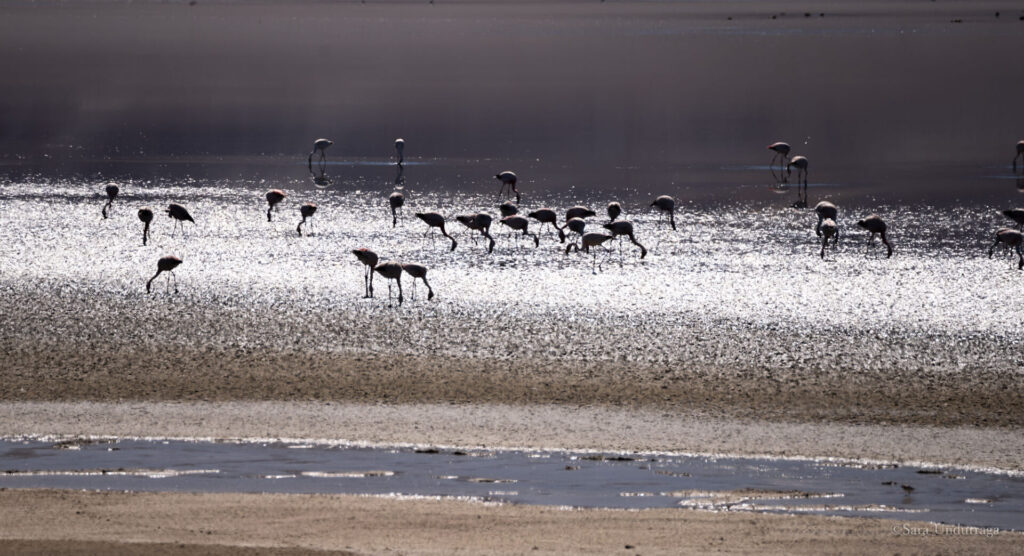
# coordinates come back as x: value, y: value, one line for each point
x: 622, y: 228
x: 781, y: 151
x: 392, y: 271
x: 1017, y: 215
x: 508, y: 179
x: 307, y: 210
x: 1010, y: 238
x: 396, y: 201
x: 146, y: 216
x: 320, y: 145
x: 518, y: 223
x: 180, y: 215
x: 166, y: 264
x: 824, y: 210
x: 274, y: 196
x: 508, y: 209
x: 667, y: 204
x: 829, y: 230
x: 1020, y: 155
x: 548, y: 216
x: 435, y: 220
x: 369, y: 260
x: 614, y: 210
x: 577, y: 226
x: 480, y: 222
x: 589, y: 240
x: 112, y: 191
x: 876, y: 226
x: 800, y: 162
x: 418, y: 271
x: 400, y: 149
x: 579, y: 212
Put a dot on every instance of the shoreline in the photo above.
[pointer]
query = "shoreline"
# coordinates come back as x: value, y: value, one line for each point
x: 533, y: 427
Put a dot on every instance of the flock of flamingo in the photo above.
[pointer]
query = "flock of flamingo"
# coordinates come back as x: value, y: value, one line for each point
x: 826, y: 228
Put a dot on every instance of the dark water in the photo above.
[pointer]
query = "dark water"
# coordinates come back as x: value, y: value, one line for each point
x: 591, y: 480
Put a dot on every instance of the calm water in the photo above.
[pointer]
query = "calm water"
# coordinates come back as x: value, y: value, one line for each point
x: 590, y: 480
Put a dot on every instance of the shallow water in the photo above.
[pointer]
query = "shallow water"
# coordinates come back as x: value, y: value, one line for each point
x: 590, y: 480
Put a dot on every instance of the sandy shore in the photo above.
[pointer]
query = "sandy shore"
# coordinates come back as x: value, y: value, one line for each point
x: 242, y: 523
x: 530, y: 426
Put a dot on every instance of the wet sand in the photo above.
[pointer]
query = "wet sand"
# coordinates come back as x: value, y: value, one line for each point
x: 237, y: 523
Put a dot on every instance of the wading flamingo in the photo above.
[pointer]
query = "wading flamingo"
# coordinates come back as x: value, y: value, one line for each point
x: 418, y: 271
x: 369, y: 260
x: 396, y: 200
x: 828, y: 230
x: 307, y: 210
x: 480, y: 222
x: 508, y: 179
x: 579, y: 212
x: 590, y: 240
x: 392, y: 271
x: 320, y: 145
x: 508, y: 208
x: 781, y: 151
x: 614, y: 210
x: 824, y: 210
x: 625, y: 228
x: 146, y: 215
x: 274, y: 197
x: 548, y: 216
x: 1010, y: 238
x: 180, y: 215
x: 435, y: 220
x: 876, y: 226
x: 667, y: 204
x: 112, y: 191
x: 518, y: 223
x: 166, y: 264
x: 1017, y: 215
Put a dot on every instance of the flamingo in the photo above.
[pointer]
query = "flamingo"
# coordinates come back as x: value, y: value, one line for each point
x: 590, y: 240
x: 825, y: 209
x: 1020, y: 155
x: 577, y: 226
x: 1012, y: 238
x: 418, y: 271
x: 625, y: 228
x: 396, y: 200
x: 548, y: 216
x: 274, y: 196
x: 392, y: 271
x: 518, y: 223
x: 166, y: 264
x: 667, y: 204
x: 828, y: 230
x: 321, y: 146
x: 781, y: 154
x: 180, y: 215
x: 369, y: 259
x: 614, y: 210
x: 508, y: 179
x: 801, y: 168
x: 508, y: 208
x: 435, y: 220
x: 146, y: 215
x: 112, y: 191
x: 400, y: 147
x: 876, y: 226
x: 307, y: 210
x: 579, y: 212
x: 480, y: 222
x: 1017, y: 215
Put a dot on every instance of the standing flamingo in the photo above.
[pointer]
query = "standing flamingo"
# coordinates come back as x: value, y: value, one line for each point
x: 320, y: 145
x: 112, y: 191
x: 548, y: 216
x: 577, y: 226
x: 396, y: 200
x: 508, y: 179
x: 1012, y: 238
x: 590, y: 240
x: 369, y: 260
x: 518, y: 223
x: 1017, y: 215
x: 166, y: 264
x: 480, y: 222
x: 800, y: 162
x: 418, y: 271
x: 392, y: 271
x: 614, y: 210
x: 579, y: 212
x: 824, y: 210
x: 146, y: 215
x: 876, y: 226
x: 274, y: 196
x: 828, y: 230
x: 435, y: 220
x: 667, y: 204
x: 400, y: 148
x: 508, y: 208
x: 307, y: 210
x: 1020, y: 155
x: 180, y: 215
x: 781, y: 154
x: 625, y: 228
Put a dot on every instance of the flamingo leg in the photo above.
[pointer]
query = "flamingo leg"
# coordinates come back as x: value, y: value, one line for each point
x: 1020, y: 257
x: 991, y: 249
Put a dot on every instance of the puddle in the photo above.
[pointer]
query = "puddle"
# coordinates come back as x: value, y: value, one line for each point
x: 565, y: 479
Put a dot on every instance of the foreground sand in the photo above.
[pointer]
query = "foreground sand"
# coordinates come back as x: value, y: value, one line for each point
x: 44, y: 521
